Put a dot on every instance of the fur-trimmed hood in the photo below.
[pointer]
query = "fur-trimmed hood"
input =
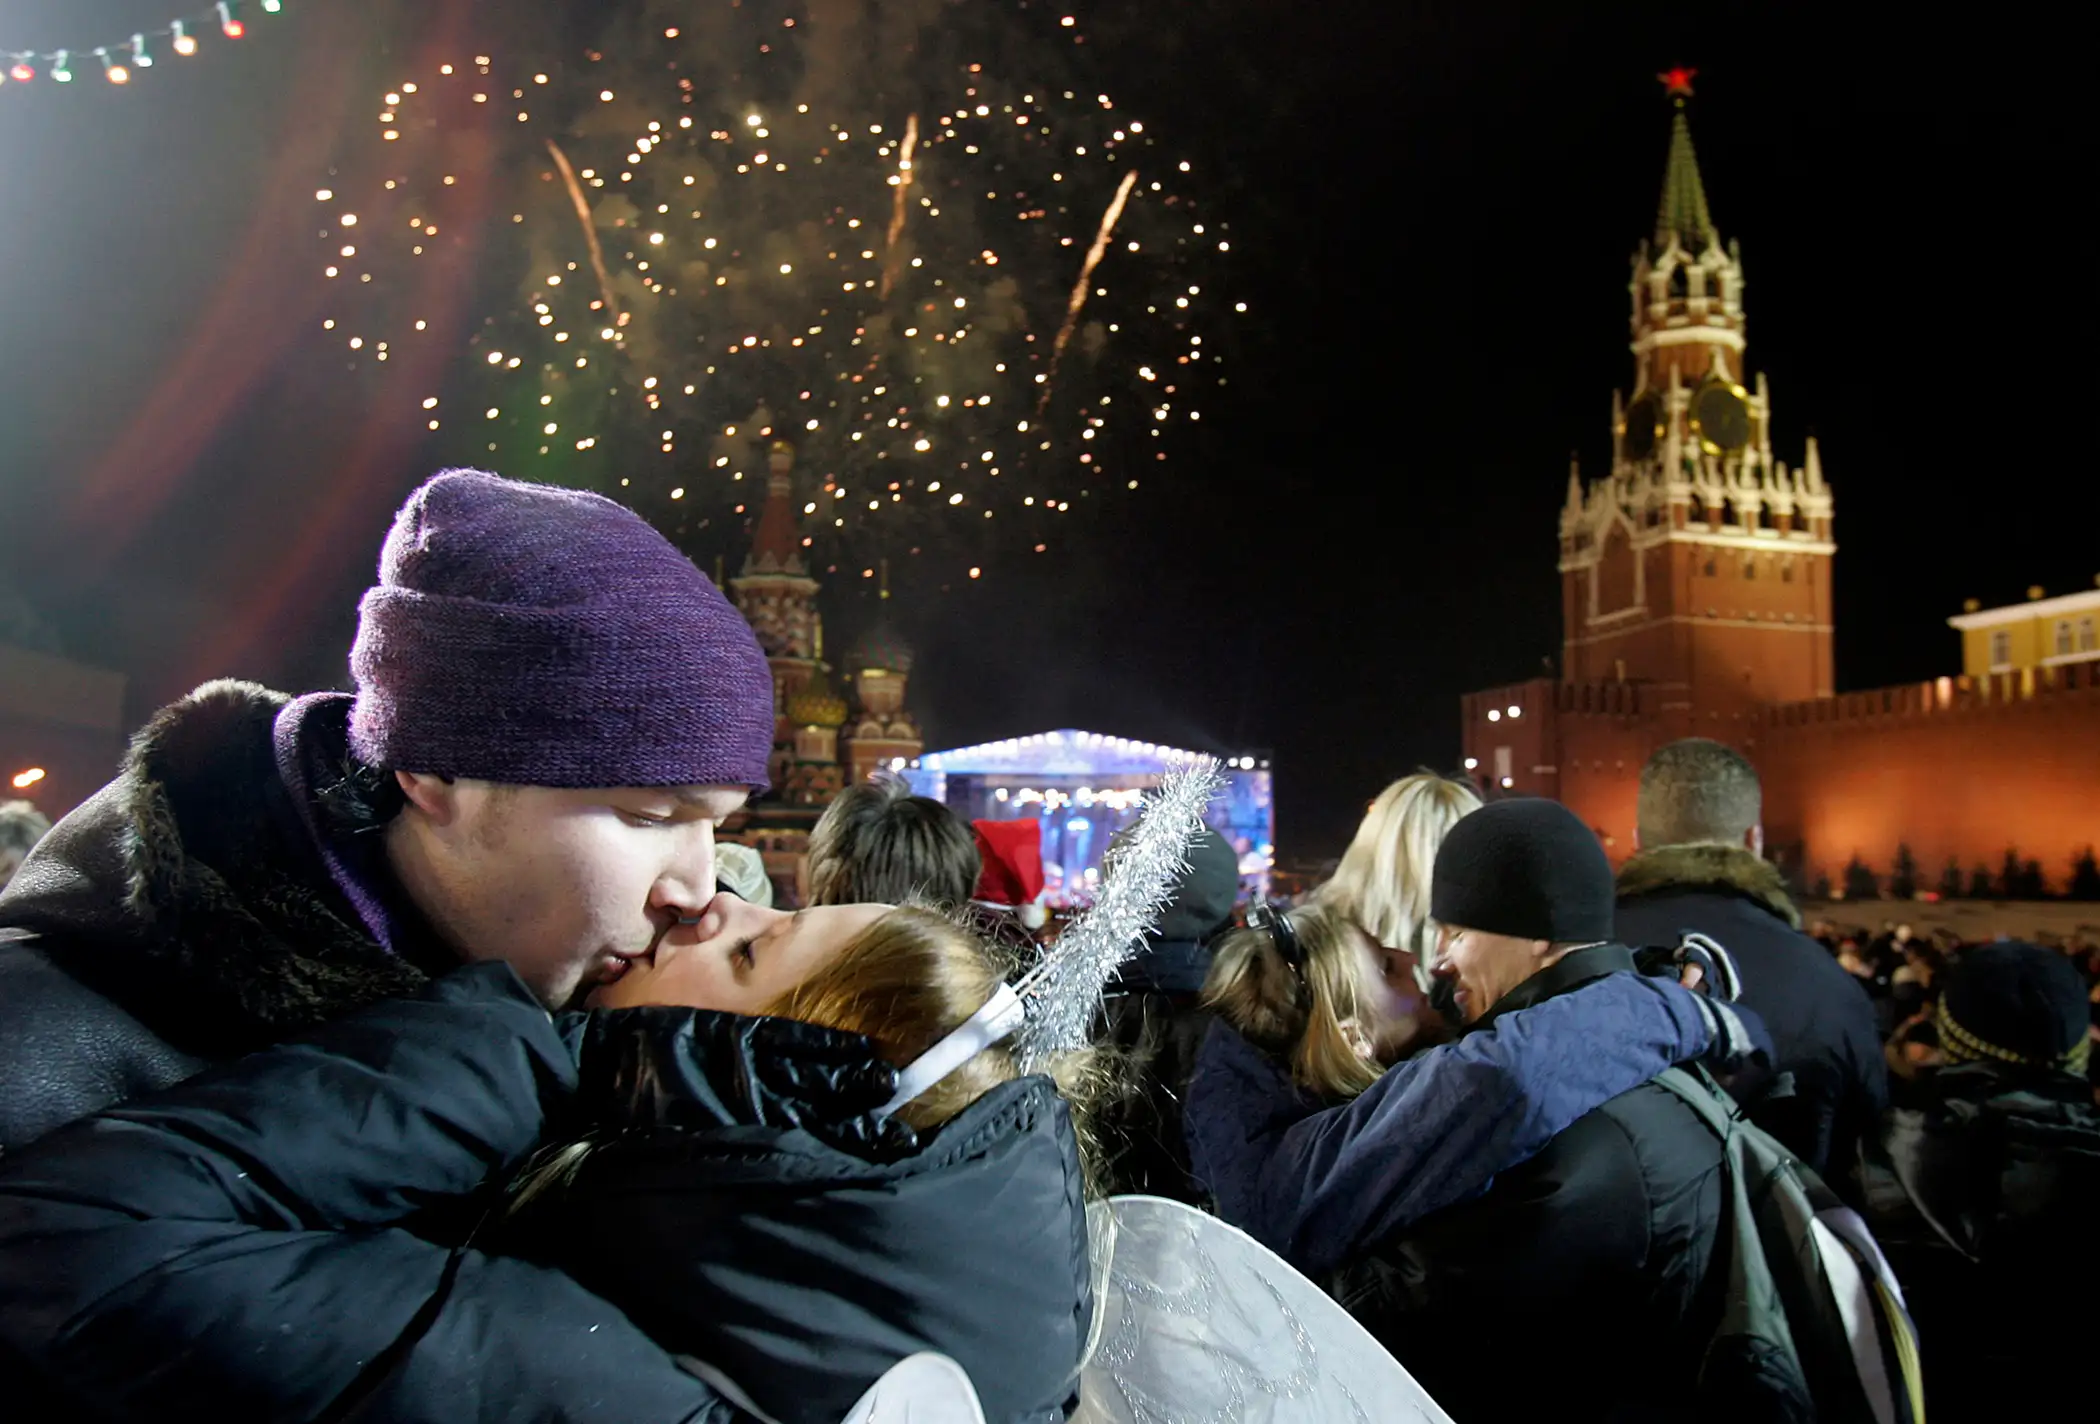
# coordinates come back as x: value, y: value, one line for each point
x: 1730, y: 869
x: 190, y: 891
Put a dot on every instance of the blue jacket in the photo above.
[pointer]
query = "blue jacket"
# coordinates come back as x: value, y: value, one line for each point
x: 1317, y: 1184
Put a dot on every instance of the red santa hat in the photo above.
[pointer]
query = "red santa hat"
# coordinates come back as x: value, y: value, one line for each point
x: 1012, y: 852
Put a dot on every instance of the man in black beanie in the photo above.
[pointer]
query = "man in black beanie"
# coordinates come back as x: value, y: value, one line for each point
x: 1606, y: 1240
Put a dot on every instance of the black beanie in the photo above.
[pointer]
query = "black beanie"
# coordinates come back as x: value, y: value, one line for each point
x: 2013, y: 1002
x: 1203, y: 896
x: 1528, y: 868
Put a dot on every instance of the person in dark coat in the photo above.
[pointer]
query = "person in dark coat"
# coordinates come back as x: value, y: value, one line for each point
x: 1993, y: 1172
x: 1154, y: 1014
x: 1700, y: 867
x: 553, y: 708
x: 1585, y: 1283
x: 787, y: 1255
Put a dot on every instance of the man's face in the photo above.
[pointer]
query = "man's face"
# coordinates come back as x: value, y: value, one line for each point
x: 566, y: 886
x: 1481, y: 967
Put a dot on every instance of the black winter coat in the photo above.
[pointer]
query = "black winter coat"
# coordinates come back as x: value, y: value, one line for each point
x: 1585, y: 1284
x: 1821, y: 1021
x: 799, y: 1269
x: 1154, y: 1016
x: 1988, y: 1224
x: 170, y: 1242
x: 182, y: 916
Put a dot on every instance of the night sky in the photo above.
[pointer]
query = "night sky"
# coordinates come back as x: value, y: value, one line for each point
x: 1432, y: 206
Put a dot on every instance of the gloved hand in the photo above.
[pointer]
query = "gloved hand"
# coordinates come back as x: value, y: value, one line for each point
x: 1741, y: 1053
x: 687, y: 1069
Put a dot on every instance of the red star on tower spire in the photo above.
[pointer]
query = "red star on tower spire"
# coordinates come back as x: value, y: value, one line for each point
x: 1678, y: 82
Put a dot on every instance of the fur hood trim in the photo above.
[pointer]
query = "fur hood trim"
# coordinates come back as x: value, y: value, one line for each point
x: 189, y: 891
x: 1731, y: 869
x: 194, y: 751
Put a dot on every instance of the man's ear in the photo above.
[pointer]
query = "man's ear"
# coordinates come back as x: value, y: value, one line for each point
x: 435, y: 796
x: 1541, y: 949
x: 1755, y: 839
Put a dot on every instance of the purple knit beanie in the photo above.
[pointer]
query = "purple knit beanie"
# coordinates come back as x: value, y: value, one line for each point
x: 547, y: 637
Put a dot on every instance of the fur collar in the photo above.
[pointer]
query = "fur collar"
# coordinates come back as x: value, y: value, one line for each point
x: 224, y: 932
x: 1731, y: 869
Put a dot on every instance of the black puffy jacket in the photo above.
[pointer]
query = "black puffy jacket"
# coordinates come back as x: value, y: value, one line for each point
x: 1987, y: 1220
x: 173, y: 1258
x: 256, y: 1242
x: 1583, y: 1285
x: 799, y: 1269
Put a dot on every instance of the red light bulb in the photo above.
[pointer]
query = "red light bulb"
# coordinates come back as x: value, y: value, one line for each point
x: 22, y: 73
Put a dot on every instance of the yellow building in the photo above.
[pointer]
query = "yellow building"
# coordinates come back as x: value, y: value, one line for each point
x: 2042, y: 632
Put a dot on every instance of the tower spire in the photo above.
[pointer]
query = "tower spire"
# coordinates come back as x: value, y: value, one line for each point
x: 1683, y: 213
x: 776, y: 544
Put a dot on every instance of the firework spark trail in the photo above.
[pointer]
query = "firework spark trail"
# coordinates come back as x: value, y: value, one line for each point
x: 893, y: 259
x: 1094, y: 255
x: 590, y: 232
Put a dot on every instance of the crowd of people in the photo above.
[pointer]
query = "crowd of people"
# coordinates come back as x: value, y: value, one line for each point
x: 1904, y: 974
x: 417, y: 1053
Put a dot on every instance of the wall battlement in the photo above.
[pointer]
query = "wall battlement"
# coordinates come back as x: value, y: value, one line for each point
x: 1944, y: 696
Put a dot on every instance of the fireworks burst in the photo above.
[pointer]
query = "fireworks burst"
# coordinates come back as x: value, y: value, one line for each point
x: 730, y: 225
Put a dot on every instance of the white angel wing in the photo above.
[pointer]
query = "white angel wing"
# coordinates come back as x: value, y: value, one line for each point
x: 920, y: 1389
x: 1198, y: 1323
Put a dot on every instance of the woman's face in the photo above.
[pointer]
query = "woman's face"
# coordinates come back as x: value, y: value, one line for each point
x: 1399, y: 1007
x: 737, y: 957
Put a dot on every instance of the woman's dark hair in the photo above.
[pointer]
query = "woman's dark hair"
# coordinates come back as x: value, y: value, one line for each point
x: 879, y: 844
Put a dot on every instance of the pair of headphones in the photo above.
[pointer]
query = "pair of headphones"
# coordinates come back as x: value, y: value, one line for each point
x: 1275, y: 921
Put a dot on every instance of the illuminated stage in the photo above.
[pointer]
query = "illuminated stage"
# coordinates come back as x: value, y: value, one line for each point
x: 1084, y: 787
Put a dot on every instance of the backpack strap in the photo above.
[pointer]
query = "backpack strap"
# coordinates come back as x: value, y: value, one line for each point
x: 1703, y: 1097
x: 1753, y: 1308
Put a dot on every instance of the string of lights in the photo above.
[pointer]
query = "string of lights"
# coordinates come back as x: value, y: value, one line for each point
x: 964, y: 288
x: 121, y: 61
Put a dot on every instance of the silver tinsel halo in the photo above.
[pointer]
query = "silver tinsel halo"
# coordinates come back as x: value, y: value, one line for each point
x: 1063, y: 993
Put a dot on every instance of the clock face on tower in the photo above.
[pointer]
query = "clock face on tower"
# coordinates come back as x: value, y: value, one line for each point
x: 1721, y: 416
x: 1644, y: 426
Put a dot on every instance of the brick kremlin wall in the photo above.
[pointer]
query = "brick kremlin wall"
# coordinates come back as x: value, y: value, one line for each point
x: 1956, y: 768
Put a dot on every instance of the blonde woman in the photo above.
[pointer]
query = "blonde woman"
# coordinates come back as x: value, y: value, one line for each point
x: 1383, y: 881
x: 1309, y: 988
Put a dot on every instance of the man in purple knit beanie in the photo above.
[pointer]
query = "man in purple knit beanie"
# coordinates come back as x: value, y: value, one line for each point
x: 569, y: 708
x: 553, y: 710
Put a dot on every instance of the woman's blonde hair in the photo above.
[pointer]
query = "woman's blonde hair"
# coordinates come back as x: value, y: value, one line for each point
x: 1314, y: 1014
x: 905, y: 982
x: 1383, y: 880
